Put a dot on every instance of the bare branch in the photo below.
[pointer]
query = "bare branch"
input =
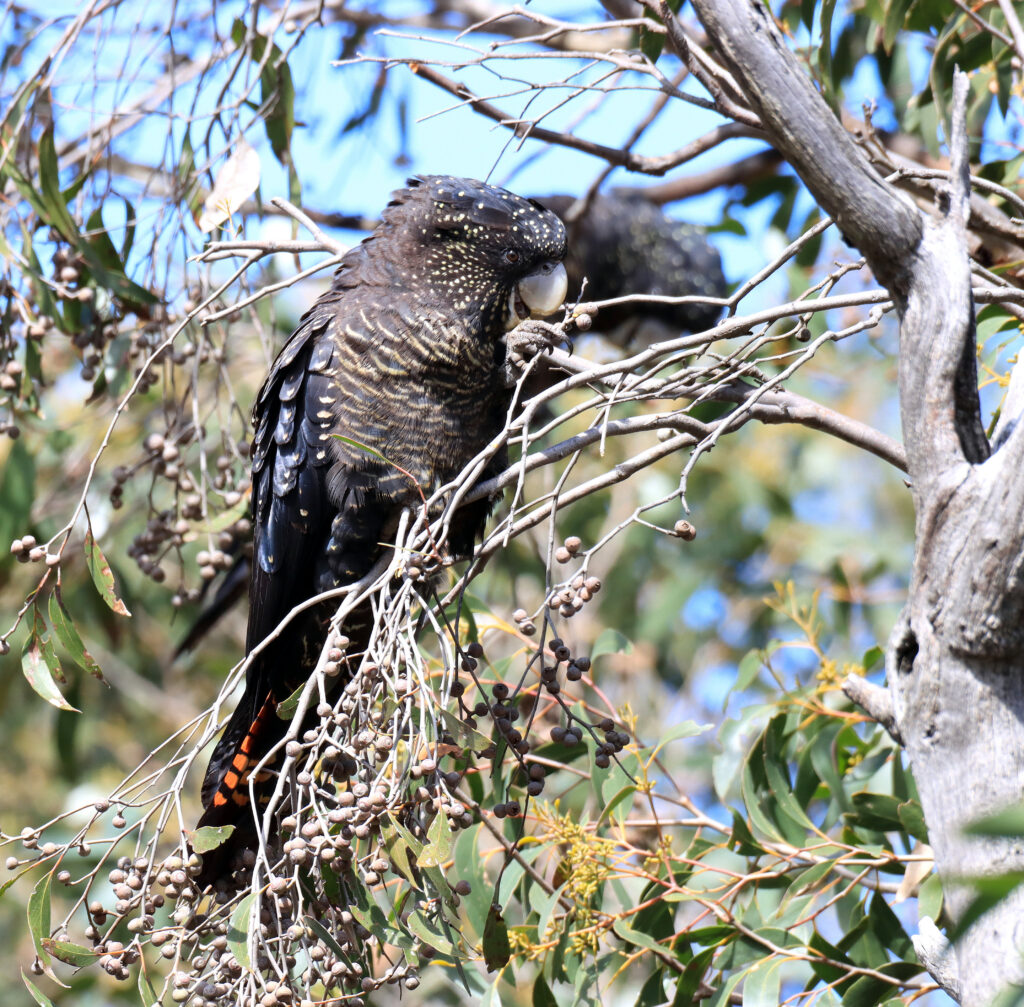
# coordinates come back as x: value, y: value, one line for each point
x: 871, y: 214
x: 875, y: 701
x: 741, y: 172
x: 620, y: 157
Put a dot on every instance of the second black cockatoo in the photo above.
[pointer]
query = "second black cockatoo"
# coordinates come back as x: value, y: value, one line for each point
x: 404, y: 355
x: 623, y: 244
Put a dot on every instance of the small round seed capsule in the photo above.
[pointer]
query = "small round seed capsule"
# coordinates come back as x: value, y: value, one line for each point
x: 684, y: 530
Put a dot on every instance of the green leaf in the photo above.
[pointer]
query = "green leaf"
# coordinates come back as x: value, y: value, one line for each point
x: 693, y: 975
x: 372, y: 918
x: 66, y: 632
x: 808, y: 880
x: 129, y: 229
x: 687, y: 729
x: 912, y: 818
x: 73, y: 954
x: 929, y: 896
x: 761, y: 987
x: 209, y: 837
x: 822, y: 754
x: 712, y: 937
x: 895, y: 14
x: 277, y: 90
x: 749, y: 668
x: 867, y: 991
x: 466, y: 736
x: 428, y: 932
x: 470, y: 867
x: 277, y: 87
x: 106, y: 265
x: 287, y: 707
x: 746, y: 950
x: 635, y: 937
x: 652, y: 993
x: 758, y: 802
x: 100, y: 241
x: 238, y: 931
x: 611, y: 641
x: 877, y: 812
x: 102, y: 576
x: 888, y: 929
x: 828, y: 8
x: 404, y: 850
x: 29, y: 194
x: 38, y: 910
x: 497, y: 950
x: 17, y: 491
x: 39, y: 665
x: 56, y: 209
x: 542, y: 995
x: 1008, y: 823
x: 147, y: 992
x: 651, y: 43
x: 545, y: 910
x: 439, y: 843
x: 621, y: 795
x: 742, y: 839
x: 294, y: 184
x: 722, y: 997
x: 777, y: 772
x: 38, y: 995
x: 327, y: 937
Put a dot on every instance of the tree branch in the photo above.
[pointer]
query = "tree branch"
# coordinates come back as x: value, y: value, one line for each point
x: 871, y: 214
x: 875, y: 701
x: 741, y: 172
x: 526, y: 130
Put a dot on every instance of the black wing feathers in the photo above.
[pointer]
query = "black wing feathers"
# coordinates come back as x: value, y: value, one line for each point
x: 291, y: 520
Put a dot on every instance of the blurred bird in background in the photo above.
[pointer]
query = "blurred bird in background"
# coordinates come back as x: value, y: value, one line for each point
x: 623, y: 244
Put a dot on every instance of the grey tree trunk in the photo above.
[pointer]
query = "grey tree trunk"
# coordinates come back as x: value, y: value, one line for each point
x: 955, y: 659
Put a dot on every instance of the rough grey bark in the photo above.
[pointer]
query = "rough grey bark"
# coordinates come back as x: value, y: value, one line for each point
x: 956, y: 657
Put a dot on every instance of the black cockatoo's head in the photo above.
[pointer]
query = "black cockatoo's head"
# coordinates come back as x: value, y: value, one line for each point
x: 480, y: 250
